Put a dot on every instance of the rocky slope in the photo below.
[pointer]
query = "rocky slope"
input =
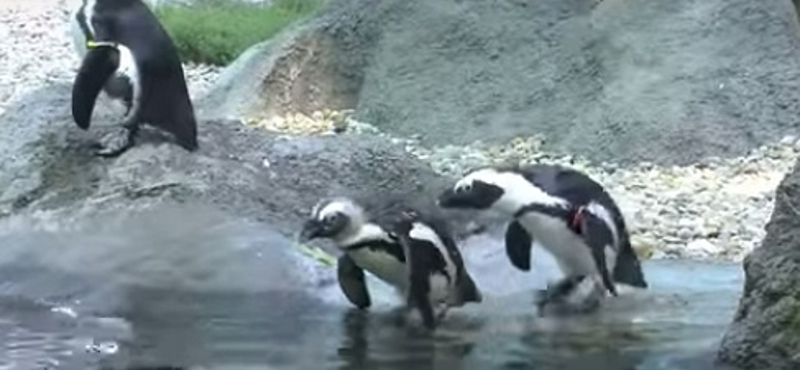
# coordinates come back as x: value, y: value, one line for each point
x: 621, y: 81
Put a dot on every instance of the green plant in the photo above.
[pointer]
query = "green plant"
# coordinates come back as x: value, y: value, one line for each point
x: 218, y: 31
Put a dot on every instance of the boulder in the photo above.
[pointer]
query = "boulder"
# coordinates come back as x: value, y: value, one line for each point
x: 628, y: 81
x: 254, y: 174
x: 765, y: 332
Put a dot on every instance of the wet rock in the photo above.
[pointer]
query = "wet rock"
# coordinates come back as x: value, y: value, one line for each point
x: 765, y: 333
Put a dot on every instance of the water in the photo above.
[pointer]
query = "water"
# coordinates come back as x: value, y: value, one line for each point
x: 191, y: 287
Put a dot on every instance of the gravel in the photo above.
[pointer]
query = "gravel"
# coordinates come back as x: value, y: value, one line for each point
x: 716, y: 209
x: 712, y: 210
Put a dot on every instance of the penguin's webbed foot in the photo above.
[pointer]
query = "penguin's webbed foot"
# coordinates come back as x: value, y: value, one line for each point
x: 558, y: 291
x: 442, y: 313
x: 574, y: 294
x: 400, y: 315
x: 116, y: 142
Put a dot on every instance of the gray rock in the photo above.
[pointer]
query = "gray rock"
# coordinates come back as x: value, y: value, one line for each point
x: 49, y: 166
x: 666, y: 82
x: 765, y: 332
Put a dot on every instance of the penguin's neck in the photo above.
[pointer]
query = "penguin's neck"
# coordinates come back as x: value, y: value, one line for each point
x: 518, y: 193
x: 358, y: 233
x: 380, y: 262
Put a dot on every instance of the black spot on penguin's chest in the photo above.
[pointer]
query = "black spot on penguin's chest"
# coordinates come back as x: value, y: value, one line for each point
x: 393, y: 249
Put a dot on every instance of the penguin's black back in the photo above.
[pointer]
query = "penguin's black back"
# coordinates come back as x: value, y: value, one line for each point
x: 436, y: 223
x: 433, y: 261
x: 165, y: 98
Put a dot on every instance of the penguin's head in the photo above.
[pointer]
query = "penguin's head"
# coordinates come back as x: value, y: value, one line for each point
x: 477, y: 190
x: 333, y: 218
x: 404, y: 223
x: 490, y: 188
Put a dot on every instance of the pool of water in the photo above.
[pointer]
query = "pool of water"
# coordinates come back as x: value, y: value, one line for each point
x: 208, y: 291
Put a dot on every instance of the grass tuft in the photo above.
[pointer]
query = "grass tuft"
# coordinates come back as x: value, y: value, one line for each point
x: 218, y: 31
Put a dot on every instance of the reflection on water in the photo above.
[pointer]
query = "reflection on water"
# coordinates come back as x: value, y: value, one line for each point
x: 216, y: 305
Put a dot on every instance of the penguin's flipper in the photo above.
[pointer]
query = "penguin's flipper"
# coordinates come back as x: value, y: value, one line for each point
x: 598, y: 238
x: 467, y: 289
x: 97, y: 66
x: 518, y: 246
x: 352, y: 282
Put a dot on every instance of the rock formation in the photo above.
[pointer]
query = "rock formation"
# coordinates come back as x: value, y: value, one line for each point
x: 667, y: 82
x: 765, y: 333
x: 252, y: 173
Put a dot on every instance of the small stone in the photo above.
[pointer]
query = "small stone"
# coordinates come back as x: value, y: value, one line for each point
x: 702, y: 248
x: 340, y: 124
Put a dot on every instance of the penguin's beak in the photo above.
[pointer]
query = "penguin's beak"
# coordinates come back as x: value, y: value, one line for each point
x: 311, y: 229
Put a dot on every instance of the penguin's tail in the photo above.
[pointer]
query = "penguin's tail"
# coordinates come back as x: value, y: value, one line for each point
x: 184, y: 126
x: 468, y: 291
x: 627, y: 269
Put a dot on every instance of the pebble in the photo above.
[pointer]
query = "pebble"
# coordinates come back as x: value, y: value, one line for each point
x: 714, y: 210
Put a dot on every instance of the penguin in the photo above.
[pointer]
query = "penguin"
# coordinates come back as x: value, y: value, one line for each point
x: 436, y: 272
x: 127, y: 54
x: 403, y: 262
x: 573, y: 218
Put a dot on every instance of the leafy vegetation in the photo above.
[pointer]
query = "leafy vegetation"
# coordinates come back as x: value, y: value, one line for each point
x: 218, y: 31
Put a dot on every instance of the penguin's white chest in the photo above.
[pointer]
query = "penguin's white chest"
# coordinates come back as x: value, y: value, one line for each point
x: 127, y: 65
x: 383, y: 265
x: 569, y: 250
x: 441, y: 291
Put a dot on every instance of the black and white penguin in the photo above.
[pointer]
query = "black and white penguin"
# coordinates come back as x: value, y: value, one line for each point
x: 571, y: 216
x: 402, y: 254
x: 127, y: 54
x: 437, y: 275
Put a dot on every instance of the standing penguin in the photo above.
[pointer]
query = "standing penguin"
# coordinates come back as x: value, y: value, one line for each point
x: 436, y: 272
x: 128, y: 54
x: 378, y: 250
x: 572, y: 217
